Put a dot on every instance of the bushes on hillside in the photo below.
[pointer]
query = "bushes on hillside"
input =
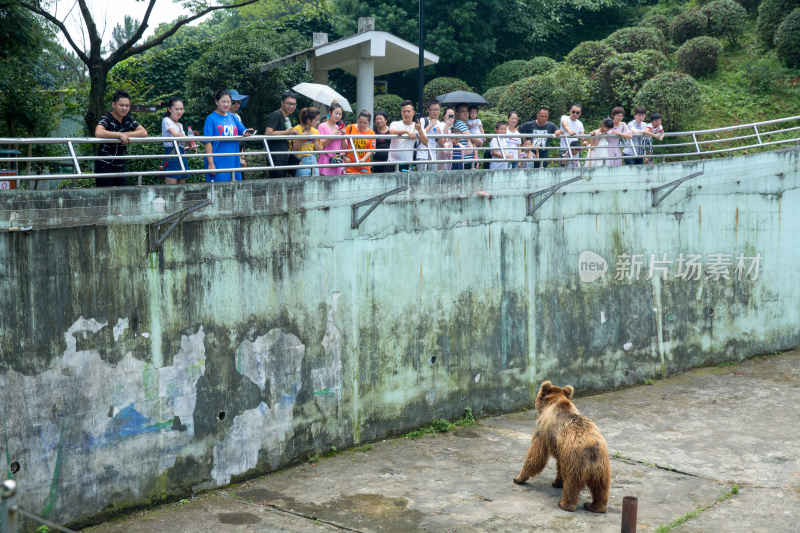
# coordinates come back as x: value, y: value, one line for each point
x: 762, y: 75
x: 589, y: 55
x: 538, y: 65
x: 675, y: 95
x: 443, y: 85
x: 389, y: 103
x: 493, y: 95
x: 658, y: 21
x: 556, y: 90
x: 787, y: 39
x: 726, y: 18
x: 622, y: 75
x: 505, y: 73
x: 687, y: 25
x: 750, y: 5
x: 699, y: 56
x: 635, y: 38
x: 770, y: 15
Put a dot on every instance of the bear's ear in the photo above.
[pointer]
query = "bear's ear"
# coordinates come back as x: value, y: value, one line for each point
x: 545, y: 387
x: 569, y: 390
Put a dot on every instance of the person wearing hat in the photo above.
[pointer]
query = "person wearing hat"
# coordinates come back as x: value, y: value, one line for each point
x: 238, y: 101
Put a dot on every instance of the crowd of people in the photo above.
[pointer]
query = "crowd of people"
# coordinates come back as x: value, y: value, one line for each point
x: 443, y: 139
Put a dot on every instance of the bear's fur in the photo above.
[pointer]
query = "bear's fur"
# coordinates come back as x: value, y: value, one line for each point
x: 576, y: 443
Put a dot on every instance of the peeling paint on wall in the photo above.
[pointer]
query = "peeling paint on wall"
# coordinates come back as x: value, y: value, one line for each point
x: 87, y: 420
x: 273, y: 362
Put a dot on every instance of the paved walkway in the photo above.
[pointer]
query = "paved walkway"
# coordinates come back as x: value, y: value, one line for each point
x: 713, y: 450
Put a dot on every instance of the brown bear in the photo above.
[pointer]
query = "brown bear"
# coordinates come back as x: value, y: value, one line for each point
x: 576, y: 443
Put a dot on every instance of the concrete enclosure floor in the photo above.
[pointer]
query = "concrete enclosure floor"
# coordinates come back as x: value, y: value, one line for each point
x: 714, y: 450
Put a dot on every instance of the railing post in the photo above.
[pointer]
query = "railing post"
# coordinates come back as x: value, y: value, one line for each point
x: 758, y: 135
x: 629, y: 511
x: 269, y: 154
x: 9, y: 522
x: 178, y: 153
x: 74, y: 157
x: 353, y: 147
x: 696, y: 144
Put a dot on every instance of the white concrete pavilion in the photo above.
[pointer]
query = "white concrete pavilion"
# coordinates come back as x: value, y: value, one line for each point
x: 366, y: 54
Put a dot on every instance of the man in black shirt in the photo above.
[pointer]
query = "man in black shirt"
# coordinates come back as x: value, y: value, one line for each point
x: 117, y: 124
x: 279, y: 123
x: 540, y: 126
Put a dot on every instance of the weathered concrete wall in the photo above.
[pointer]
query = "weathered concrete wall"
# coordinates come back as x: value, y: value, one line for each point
x: 267, y: 329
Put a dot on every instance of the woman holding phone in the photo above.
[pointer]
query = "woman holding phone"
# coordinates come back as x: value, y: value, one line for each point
x: 334, y: 147
x: 222, y: 123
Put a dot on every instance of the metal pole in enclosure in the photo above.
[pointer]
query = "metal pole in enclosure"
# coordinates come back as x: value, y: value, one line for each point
x: 8, y: 507
x: 421, y: 74
x: 630, y: 507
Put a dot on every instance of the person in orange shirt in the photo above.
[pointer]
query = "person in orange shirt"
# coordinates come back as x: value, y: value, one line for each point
x: 364, y: 147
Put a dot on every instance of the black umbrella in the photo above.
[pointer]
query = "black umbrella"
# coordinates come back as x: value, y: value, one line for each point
x: 461, y: 97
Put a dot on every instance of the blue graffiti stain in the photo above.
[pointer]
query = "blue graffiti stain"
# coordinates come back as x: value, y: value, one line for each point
x: 127, y: 423
x: 287, y: 400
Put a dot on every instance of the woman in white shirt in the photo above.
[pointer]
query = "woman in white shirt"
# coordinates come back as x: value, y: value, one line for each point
x: 445, y: 144
x: 571, y: 125
x: 171, y: 127
x: 513, y: 143
x: 598, y: 145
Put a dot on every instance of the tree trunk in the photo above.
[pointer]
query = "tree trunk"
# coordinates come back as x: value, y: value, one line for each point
x: 98, y: 73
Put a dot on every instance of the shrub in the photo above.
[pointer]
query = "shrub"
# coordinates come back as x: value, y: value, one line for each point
x: 389, y: 103
x: 787, y: 39
x: 443, y: 85
x: 556, y: 90
x: 635, y: 38
x: 506, y: 73
x: 589, y: 55
x: 493, y: 95
x: 489, y: 117
x: 750, y: 5
x: 621, y: 77
x: 657, y: 21
x: 770, y: 15
x: 673, y: 94
x: 699, y: 56
x: 688, y: 25
x: 761, y: 76
x: 538, y: 65
x: 726, y: 18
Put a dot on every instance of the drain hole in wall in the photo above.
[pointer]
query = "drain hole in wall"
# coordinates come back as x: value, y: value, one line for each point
x: 221, y: 416
x: 14, y: 467
x: 433, y: 359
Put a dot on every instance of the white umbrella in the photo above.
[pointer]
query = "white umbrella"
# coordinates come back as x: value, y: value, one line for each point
x: 322, y: 94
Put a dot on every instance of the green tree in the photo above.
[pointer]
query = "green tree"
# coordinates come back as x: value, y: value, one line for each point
x: 621, y: 76
x: 726, y: 18
x: 443, y: 85
x: 93, y: 56
x: 123, y: 32
x: 506, y: 73
x: 219, y: 68
x: 35, y: 73
x: 698, y: 56
x: 787, y: 39
x: 590, y: 54
x: 673, y: 94
x: 483, y: 33
x: 770, y: 15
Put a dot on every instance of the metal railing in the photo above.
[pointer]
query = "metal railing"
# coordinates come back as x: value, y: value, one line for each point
x: 757, y: 135
x: 11, y: 513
